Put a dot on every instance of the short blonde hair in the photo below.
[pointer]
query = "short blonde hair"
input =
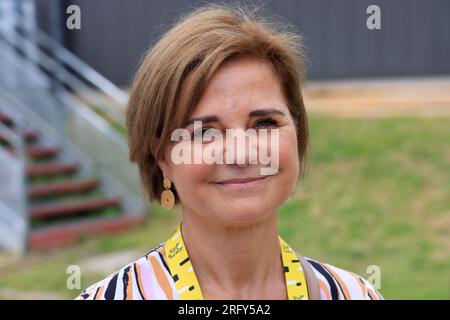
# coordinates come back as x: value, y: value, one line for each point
x: 197, y: 45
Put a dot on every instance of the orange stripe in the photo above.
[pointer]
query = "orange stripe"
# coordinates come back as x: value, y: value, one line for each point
x: 374, y: 295
x: 324, y: 288
x: 340, y: 281
x: 371, y: 294
x: 100, y: 292
x: 139, y: 280
x: 161, y: 250
x: 379, y: 295
x: 130, y: 285
x: 161, y: 277
x: 361, y: 285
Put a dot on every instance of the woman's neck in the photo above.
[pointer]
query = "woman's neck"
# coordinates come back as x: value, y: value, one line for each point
x: 243, y: 262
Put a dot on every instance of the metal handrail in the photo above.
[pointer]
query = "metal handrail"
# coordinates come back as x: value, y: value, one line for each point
x: 14, y: 219
x: 81, y: 85
x: 96, y: 121
x: 75, y: 104
x: 70, y: 59
x: 73, y: 150
x: 95, y: 78
x: 48, y: 63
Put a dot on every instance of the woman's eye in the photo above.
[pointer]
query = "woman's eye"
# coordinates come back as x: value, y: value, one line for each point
x: 266, y: 123
x: 205, y: 133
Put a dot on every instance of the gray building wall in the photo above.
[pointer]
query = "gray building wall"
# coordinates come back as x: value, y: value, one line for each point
x: 414, y: 39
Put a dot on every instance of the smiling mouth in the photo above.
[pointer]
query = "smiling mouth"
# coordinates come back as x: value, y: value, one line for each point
x: 242, y: 183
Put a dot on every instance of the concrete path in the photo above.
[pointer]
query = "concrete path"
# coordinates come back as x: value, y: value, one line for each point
x: 423, y: 97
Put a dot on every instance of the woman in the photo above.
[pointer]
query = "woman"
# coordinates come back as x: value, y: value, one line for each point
x: 230, y: 69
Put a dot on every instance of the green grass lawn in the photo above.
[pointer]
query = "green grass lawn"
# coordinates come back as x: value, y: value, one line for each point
x: 377, y: 192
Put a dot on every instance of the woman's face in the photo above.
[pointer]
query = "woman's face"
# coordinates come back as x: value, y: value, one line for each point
x: 244, y: 93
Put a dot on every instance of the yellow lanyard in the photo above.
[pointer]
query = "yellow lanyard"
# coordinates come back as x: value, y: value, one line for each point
x: 187, y: 284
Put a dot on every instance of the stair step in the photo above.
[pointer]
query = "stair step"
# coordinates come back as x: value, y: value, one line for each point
x: 51, y: 169
x: 58, y: 188
x: 67, y: 234
x: 6, y: 120
x: 30, y: 135
x: 42, y: 151
x: 38, y: 151
x: 73, y: 207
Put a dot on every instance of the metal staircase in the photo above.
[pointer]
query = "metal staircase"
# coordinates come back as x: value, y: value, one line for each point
x: 64, y: 169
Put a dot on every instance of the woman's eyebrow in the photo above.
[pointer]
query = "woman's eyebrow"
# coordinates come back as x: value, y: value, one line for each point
x: 265, y: 112
x: 254, y: 113
x: 205, y: 119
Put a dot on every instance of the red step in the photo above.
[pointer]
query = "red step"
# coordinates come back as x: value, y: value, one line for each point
x: 30, y: 135
x: 38, y: 151
x: 58, y: 188
x: 73, y: 207
x: 42, y: 151
x: 49, y: 169
x: 67, y: 234
x: 6, y: 120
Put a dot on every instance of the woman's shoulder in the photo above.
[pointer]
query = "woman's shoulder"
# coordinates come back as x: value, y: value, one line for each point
x: 339, y: 284
x: 145, y: 278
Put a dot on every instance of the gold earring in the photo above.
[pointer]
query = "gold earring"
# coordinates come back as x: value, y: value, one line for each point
x: 167, y: 197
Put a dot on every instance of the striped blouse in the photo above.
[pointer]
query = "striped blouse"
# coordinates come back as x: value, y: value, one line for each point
x: 149, y: 278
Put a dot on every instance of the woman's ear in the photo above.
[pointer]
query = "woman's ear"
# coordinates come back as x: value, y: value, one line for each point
x: 164, y: 166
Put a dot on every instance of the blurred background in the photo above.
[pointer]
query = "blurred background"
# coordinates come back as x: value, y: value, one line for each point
x: 377, y: 192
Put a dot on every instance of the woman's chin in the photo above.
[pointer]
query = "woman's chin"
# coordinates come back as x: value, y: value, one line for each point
x: 239, y: 216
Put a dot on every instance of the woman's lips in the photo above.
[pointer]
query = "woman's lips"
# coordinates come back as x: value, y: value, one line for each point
x: 242, y: 183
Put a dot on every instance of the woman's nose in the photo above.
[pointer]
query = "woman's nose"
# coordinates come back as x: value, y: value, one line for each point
x: 241, y: 151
